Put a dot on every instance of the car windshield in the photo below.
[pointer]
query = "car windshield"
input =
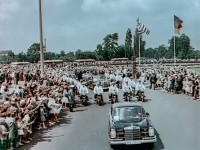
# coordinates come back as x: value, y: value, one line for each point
x: 105, y: 84
x: 128, y: 113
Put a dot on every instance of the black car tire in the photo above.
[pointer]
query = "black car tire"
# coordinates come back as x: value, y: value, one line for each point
x: 113, y: 146
x: 150, y: 146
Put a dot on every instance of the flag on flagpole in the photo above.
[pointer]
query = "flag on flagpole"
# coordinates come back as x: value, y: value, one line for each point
x: 142, y: 28
x: 177, y: 24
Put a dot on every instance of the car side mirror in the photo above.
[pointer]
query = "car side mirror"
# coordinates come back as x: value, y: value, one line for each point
x: 147, y: 114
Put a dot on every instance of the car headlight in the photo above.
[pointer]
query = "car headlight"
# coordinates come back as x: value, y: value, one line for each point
x: 112, y: 133
x: 151, y: 131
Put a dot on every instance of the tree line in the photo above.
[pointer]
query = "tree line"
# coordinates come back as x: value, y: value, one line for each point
x: 110, y: 48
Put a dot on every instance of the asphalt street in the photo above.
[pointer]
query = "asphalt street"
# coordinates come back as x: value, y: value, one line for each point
x: 175, y: 118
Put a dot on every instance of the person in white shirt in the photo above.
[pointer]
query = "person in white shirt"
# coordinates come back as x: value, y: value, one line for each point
x: 131, y: 83
x: 98, y: 90
x: 126, y: 88
x: 112, y: 77
x: 113, y: 90
x: 84, y: 91
x: 139, y: 87
x: 126, y: 79
x: 107, y: 75
x: 118, y: 79
x: 143, y: 76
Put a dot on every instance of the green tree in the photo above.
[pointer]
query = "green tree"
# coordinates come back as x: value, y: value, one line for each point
x: 128, y: 44
x: 150, y: 53
x: 49, y: 55
x: 70, y: 56
x: 185, y: 49
x: 110, y: 46
x: 20, y: 57
x: 120, y: 51
x: 161, y: 51
x: 33, y: 53
x: 182, y: 47
x: 99, y: 52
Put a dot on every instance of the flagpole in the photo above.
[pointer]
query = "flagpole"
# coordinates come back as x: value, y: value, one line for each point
x: 41, y: 39
x: 134, y: 63
x: 139, y: 48
x: 174, y: 51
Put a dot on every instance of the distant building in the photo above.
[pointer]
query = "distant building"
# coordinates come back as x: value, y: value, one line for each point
x: 5, y: 52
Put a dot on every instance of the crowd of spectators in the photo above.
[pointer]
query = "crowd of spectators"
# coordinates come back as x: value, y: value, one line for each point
x: 29, y: 102
x: 176, y: 80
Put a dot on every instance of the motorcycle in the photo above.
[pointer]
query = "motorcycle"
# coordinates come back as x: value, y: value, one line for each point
x: 114, y: 99
x: 84, y: 100
x: 140, y: 96
x: 127, y: 96
x: 99, y: 100
x: 119, y: 84
x: 133, y: 91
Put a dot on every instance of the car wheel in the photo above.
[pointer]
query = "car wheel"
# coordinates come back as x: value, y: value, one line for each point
x: 113, y: 146
x: 150, y: 146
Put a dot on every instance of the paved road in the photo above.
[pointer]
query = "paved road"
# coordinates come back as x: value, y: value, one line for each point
x: 176, y: 120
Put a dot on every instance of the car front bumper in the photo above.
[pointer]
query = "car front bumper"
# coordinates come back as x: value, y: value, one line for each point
x: 132, y: 142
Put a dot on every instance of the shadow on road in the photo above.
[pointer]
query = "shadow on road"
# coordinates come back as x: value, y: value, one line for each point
x: 147, y: 99
x: 159, y: 144
x: 39, y: 136
x: 77, y: 110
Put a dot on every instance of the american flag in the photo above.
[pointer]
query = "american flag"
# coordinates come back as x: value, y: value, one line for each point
x: 142, y: 28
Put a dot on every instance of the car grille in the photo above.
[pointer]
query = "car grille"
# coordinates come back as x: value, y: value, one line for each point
x: 132, y: 134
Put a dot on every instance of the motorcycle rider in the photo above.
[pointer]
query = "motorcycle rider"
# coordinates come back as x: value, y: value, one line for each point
x: 132, y: 84
x: 112, y: 77
x: 126, y: 78
x: 118, y: 79
x: 113, y: 90
x: 98, y: 90
x: 139, y: 87
x: 126, y: 88
x: 84, y: 91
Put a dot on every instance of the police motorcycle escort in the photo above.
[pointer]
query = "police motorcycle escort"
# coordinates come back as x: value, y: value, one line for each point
x: 131, y: 83
x: 127, y: 91
x: 140, y: 91
x: 83, y: 94
x: 119, y: 79
x: 98, y: 91
x: 113, y: 93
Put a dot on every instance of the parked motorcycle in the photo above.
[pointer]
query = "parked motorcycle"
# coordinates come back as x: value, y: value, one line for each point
x: 133, y: 91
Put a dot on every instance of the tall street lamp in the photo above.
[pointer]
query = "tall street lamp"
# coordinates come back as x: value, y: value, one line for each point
x: 41, y: 39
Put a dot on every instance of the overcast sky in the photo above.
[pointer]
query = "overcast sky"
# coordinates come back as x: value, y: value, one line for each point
x: 82, y: 24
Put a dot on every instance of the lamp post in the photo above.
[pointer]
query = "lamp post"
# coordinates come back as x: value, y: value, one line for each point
x: 41, y: 39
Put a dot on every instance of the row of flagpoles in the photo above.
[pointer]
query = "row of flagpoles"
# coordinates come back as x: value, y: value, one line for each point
x: 141, y: 28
